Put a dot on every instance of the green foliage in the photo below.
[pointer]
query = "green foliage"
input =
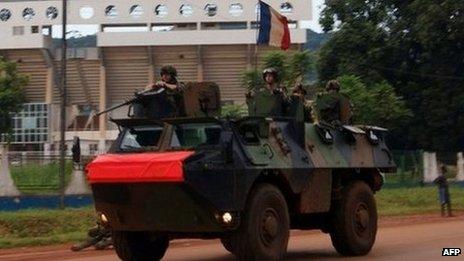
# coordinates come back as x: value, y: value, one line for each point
x: 293, y: 68
x: 234, y: 111
x: 416, y: 46
x: 39, y: 179
x: 277, y: 60
x: 252, y: 79
x: 376, y: 104
x: 11, y: 93
x: 299, y: 66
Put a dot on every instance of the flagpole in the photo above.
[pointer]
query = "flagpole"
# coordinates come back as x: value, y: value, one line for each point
x: 257, y: 35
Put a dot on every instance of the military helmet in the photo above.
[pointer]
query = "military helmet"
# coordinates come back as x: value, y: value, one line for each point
x: 272, y: 71
x: 333, y: 85
x: 169, y: 70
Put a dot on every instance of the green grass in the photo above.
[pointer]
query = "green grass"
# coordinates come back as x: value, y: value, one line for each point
x: 417, y: 200
x: 39, y: 179
x: 44, y: 227
x: 47, y: 227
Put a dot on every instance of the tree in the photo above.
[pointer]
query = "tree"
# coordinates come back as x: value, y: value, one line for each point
x: 377, y: 104
x: 11, y: 93
x: 293, y: 68
x: 416, y: 46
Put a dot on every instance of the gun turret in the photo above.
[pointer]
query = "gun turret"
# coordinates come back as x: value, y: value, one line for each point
x: 194, y: 100
x: 139, y: 103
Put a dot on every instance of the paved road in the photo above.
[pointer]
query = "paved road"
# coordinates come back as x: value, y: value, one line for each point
x: 404, y: 242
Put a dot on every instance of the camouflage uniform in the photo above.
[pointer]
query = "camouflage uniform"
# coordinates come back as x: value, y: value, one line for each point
x: 267, y: 102
x: 298, y: 107
x: 171, y: 100
x: 98, y: 236
x: 333, y: 107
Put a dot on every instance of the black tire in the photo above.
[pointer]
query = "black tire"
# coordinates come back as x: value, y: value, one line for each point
x: 139, y: 246
x: 354, y: 220
x: 265, y: 227
x: 227, y: 244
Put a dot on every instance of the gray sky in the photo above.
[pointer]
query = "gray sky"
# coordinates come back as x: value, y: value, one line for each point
x: 314, y: 24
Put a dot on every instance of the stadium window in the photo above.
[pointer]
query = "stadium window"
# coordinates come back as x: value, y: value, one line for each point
x: 166, y: 27
x: 161, y: 11
x: 111, y: 11
x: 34, y: 29
x: 46, y: 30
x: 136, y: 11
x: 18, y: 30
x: 186, y: 10
x: 28, y: 13
x: 286, y: 8
x: 51, y: 13
x: 292, y: 24
x: 236, y: 9
x: 211, y: 10
x: 86, y: 12
x: 224, y: 26
x: 5, y: 15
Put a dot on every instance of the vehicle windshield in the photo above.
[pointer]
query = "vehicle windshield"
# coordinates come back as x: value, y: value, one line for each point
x: 192, y: 135
x: 141, y: 137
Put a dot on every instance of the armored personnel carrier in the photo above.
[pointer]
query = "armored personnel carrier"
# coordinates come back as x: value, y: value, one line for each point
x: 245, y: 181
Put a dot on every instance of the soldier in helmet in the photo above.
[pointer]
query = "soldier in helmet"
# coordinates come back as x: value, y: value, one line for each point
x: 173, y: 88
x: 332, y: 107
x: 269, y: 100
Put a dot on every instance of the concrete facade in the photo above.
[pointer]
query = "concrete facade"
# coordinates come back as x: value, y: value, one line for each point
x: 206, y: 40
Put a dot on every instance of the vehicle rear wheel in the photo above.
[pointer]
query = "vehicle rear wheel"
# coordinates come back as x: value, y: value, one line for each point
x: 354, y: 223
x: 265, y: 228
x: 139, y: 246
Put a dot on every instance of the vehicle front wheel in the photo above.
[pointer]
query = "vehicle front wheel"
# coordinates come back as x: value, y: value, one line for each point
x: 228, y: 244
x: 139, y: 246
x: 354, y: 220
x: 265, y: 228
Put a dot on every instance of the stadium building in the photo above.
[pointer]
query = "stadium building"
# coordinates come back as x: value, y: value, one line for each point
x: 207, y: 40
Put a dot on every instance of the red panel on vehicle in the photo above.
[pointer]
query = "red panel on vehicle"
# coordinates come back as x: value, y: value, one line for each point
x: 140, y: 167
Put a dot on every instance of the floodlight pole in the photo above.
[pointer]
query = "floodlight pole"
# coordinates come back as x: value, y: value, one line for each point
x: 64, y: 46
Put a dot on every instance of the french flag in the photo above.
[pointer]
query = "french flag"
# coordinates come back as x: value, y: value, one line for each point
x: 273, y: 28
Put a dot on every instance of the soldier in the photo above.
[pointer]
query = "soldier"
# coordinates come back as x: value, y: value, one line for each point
x: 443, y: 191
x: 173, y: 88
x: 332, y: 107
x: 299, y: 108
x: 269, y: 100
x: 98, y: 236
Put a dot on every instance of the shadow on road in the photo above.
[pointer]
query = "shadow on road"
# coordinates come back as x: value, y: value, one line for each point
x: 294, y: 256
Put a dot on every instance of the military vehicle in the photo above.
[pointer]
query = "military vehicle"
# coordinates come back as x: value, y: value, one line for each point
x: 245, y: 181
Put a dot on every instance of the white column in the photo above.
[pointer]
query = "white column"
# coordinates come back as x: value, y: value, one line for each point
x: 47, y: 152
x: 7, y: 186
x: 460, y: 167
x: 430, y: 166
x: 78, y: 184
x: 85, y: 148
x: 101, y: 146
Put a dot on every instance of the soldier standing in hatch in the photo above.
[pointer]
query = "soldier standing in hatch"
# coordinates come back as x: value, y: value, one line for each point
x: 332, y: 107
x: 269, y: 100
x: 299, y: 108
x: 174, y: 90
